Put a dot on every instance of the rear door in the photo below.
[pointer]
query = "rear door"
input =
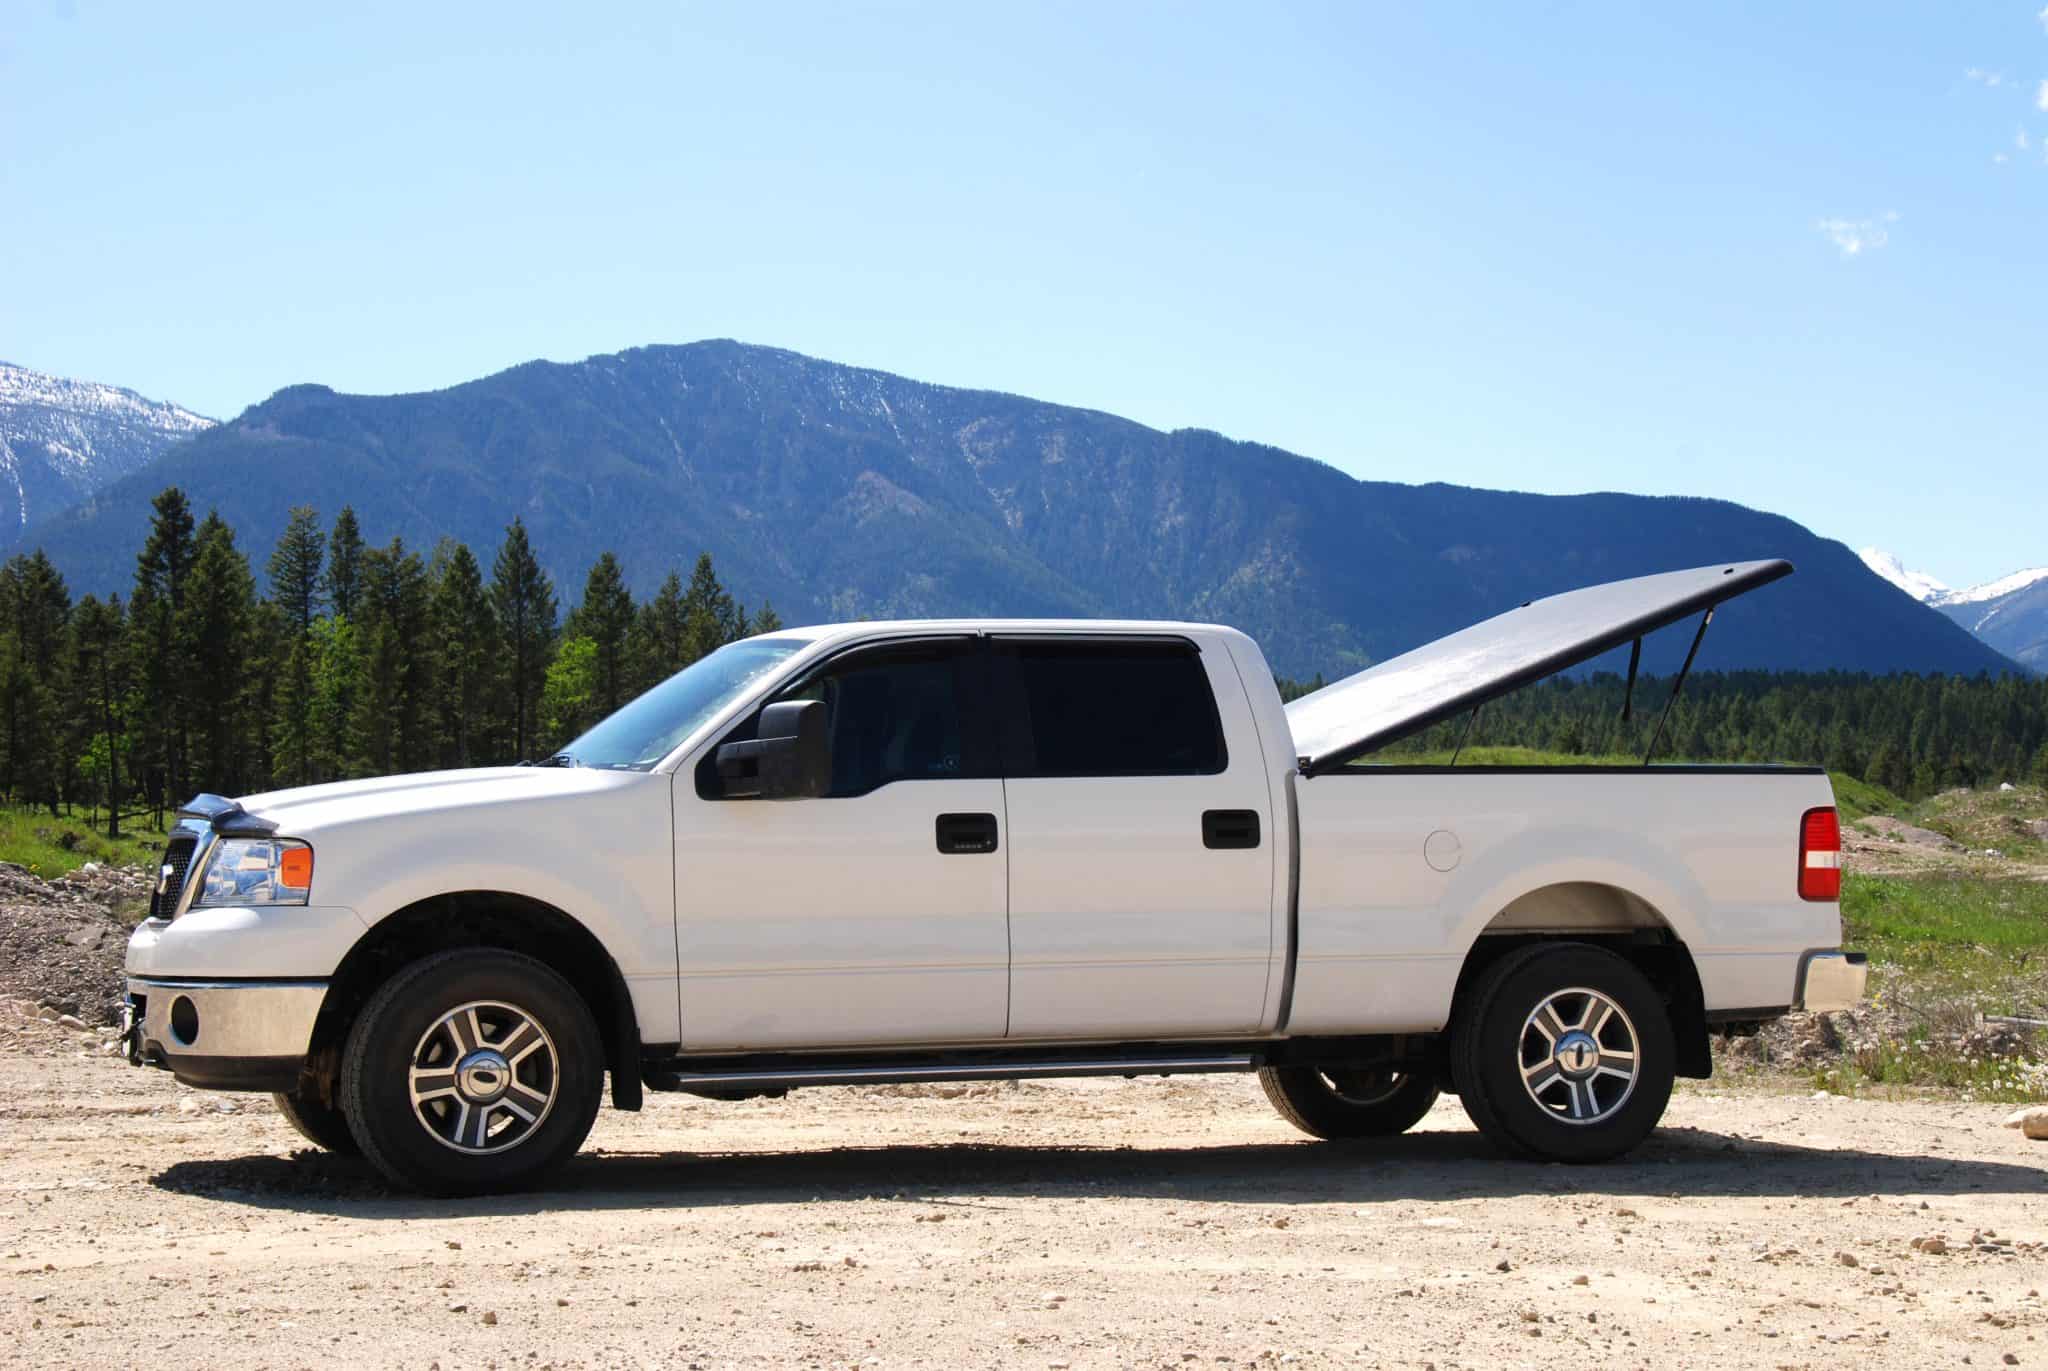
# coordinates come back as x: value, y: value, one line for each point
x: 1141, y: 841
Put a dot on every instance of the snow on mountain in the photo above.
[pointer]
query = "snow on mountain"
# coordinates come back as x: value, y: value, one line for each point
x: 1928, y: 590
x: 2010, y: 613
x: 1993, y: 590
x: 1917, y: 584
x: 61, y: 440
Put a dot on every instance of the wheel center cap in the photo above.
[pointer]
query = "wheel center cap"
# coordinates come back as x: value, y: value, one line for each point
x: 483, y: 1076
x: 1577, y: 1054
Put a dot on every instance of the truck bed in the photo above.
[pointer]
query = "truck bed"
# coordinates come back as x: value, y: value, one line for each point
x: 1401, y: 868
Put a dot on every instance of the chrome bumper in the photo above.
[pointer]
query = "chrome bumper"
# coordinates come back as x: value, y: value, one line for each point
x: 1831, y: 980
x: 225, y: 1035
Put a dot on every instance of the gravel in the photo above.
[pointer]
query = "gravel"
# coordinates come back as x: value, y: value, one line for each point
x: 1098, y: 1224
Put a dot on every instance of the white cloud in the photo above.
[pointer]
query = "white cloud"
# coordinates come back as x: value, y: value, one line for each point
x: 1983, y: 77
x: 2043, y: 16
x: 1854, y: 237
x: 2041, y: 99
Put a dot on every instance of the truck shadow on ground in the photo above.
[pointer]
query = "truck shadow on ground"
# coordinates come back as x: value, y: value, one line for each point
x: 1677, y: 1162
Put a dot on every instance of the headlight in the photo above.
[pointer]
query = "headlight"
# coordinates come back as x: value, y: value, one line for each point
x: 256, y: 871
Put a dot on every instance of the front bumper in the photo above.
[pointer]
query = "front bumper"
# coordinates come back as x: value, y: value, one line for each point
x: 1831, y: 980
x: 223, y: 1035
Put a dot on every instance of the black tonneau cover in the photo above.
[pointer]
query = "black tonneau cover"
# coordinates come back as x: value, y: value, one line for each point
x: 1458, y: 673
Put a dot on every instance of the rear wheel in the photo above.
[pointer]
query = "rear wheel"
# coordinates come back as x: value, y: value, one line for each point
x: 318, y: 1123
x: 1563, y: 1052
x: 471, y: 1071
x: 1341, y: 1102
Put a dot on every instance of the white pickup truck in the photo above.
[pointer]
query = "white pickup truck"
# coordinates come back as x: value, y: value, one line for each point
x: 983, y: 850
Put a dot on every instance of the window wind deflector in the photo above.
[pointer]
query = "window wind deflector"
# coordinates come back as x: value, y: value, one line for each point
x: 1457, y: 673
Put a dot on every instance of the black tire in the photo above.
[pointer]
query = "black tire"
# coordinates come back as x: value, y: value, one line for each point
x: 319, y: 1124
x: 419, y: 1027
x: 1339, y: 1103
x: 1524, y: 1100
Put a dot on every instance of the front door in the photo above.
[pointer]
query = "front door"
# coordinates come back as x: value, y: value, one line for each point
x: 1141, y: 842
x: 874, y: 914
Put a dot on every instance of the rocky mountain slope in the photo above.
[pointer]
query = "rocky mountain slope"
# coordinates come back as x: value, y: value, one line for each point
x: 842, y: 492
x: 61, y: 440
x: 2010, y: 613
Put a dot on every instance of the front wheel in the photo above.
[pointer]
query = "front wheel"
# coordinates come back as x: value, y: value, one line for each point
x: 1563, y: 1052
x: 1348, y: 1102
x: 472, y: 1071
x: 318, y: 1122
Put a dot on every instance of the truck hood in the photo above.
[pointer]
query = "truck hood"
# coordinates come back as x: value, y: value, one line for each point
x: 307, y: 809
x: 1452, y: 675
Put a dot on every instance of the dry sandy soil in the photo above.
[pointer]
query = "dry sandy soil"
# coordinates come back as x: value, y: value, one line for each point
x: 1100, y: 1224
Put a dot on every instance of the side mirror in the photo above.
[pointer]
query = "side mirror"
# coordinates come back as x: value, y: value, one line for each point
x: 790, y: 759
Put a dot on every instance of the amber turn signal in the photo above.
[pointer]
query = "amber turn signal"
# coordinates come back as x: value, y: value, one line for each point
x: 295, y: 868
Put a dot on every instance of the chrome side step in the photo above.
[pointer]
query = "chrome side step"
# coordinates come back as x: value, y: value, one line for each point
x: 965, y: 1071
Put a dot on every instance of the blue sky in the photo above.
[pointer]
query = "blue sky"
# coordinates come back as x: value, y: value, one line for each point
x: 1792, y: 256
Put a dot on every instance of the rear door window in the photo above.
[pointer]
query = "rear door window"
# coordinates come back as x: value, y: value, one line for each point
x: 1108, y: 708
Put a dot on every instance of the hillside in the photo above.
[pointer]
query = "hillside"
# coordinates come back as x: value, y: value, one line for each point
x: 841, y: 492
x: 61, y: 440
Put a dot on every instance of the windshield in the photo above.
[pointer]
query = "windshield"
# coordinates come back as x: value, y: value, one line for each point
x: 643, y: 732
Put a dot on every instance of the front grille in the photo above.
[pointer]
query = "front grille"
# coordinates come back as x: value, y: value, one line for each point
x: 163, y: 901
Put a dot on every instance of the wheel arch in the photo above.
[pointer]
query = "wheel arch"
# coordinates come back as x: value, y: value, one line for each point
x: 1610, y: 916
x: 481, y: 918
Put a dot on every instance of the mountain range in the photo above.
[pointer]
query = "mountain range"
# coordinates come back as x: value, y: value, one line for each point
x: 2010, y: 613
x: 61, y: 440
x: 840, y: 492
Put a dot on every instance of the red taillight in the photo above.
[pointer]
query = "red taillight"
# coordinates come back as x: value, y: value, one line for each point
x: 1820, y: 855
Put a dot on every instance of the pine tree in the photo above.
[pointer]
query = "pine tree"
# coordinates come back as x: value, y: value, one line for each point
x: 708, y: 613
x: 661, y: 635
x: 767, y: 621
x: 394, y: 706
x: 34, y: 610
x: 295, y: 565
x: 99, y: 696
x: 524, y: 599
x: 1887, y: 769
x: 606, y: 618
x: 162, y: 673
x: 296, y: 587
x: 465, y: 632
x: 217, y: 625
x: 337, y: 680
x: 344, y: 563
x: 269, y: 651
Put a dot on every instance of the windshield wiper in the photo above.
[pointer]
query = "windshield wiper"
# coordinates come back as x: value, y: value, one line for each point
x: 559, y: 759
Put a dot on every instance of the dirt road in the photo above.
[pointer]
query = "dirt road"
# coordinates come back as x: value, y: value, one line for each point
x: 1103, y: 1224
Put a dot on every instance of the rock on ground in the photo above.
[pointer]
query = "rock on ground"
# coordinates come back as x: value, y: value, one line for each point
x: 1900, y: 831
x: 61, y: 942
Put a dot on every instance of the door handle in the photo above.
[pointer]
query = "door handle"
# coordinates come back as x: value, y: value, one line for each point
x: 1230, y: 828
x: 966, y: 834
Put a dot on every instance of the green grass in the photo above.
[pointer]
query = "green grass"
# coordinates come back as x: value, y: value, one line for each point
x: 1925, y: 919
x: 1943, y: 951
x: 51, y: 847
x: 1860, y: 799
